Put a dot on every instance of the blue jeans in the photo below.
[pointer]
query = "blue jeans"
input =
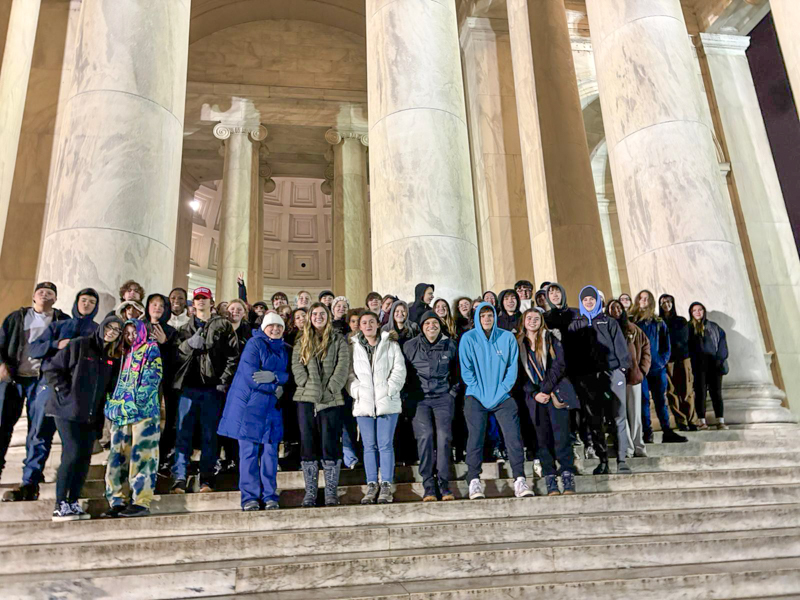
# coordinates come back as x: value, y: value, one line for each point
x: 655, y: 382
x: 202, y: 404
x: 12, y: 400
x: 41, y: 430
x: 377, y: 434
x: 349, y: 436
x: 258, y: 471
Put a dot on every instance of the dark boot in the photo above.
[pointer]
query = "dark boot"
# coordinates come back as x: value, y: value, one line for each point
x: 552, y: 485
x: 27, y: 492
x: 601, y: 469
x: 332, y: 469
x: 568, y: 481
x: 311, y: 476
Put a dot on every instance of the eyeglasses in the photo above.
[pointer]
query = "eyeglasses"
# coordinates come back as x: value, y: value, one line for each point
x: 114, y: 329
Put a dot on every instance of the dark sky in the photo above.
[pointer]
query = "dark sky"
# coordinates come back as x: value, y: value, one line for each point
x: 780, y: 115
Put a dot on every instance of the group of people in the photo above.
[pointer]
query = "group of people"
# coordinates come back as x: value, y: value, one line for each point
x: 475, y: 379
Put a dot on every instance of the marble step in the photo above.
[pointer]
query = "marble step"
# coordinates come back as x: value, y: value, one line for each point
x: 416, y: 512
x: 418, y: 565
x: 738, y: 580
x: 293, y: 480
x: 142, y: 542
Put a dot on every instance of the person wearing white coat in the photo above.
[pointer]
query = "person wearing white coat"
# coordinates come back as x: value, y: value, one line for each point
x: 377, y: 374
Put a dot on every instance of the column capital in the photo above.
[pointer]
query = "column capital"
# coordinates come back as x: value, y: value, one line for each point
x: 336, y: 136
x: 223, y: 130
x: 720, y: 43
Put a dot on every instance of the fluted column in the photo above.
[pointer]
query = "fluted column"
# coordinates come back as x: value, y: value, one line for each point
x: 566, y: 234
x: 421, y: 202
x: 678, y: 231
x: 113, y: 210
x: 352, y: 275
x: 14, y: 75
x: 183, y: 234
x: 237, y: 209
x: 786, y: 14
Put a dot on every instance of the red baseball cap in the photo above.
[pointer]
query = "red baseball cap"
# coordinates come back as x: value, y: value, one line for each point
x: 202, y: 292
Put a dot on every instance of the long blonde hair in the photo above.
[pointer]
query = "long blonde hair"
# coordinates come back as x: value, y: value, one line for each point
x: 644, y: 314
x: 312, y: 343
x: 449, y: 321
x: 538, y: 340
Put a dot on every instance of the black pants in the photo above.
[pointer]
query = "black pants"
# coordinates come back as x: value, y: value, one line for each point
x: 707, y: 378
x: 526, y: 426
x: 552, y: 432
x: 459, y: 428
x: 432, y: 424
x: 320, y: 434
x: 592, y: 390
x: 12, y: 400
x: 77, y: 440
x: 167, y: 442
x: 508, y: 418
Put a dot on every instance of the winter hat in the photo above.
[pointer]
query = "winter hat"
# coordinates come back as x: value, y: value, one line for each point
x: 262, y: 304
x: 271, y: 318
x: 324, y: 293
x: 429, y: 314
x: 587, y: 291
x: 341, y: 299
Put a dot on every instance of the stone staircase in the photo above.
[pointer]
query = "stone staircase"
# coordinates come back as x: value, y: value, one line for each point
x: 718, y: 517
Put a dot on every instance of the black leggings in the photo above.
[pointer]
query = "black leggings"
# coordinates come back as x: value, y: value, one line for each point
x: 77, y: 441
x: 707, y: 378
x: 320, y: 434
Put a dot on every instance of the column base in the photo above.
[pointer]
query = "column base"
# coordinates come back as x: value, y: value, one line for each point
x: 756, y: 403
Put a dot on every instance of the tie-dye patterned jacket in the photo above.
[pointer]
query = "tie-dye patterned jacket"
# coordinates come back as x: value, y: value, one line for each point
x: 136, y: 396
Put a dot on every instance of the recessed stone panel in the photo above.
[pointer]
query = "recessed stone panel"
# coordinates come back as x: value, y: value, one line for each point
x: 304, y: 265
x: 272, y: 226
x: 303, y: 229
x: 328, y: 228
x: 303, y: 194
x: 272, y: 263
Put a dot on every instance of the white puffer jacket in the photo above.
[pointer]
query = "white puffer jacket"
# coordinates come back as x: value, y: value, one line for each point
x: 375, y: 387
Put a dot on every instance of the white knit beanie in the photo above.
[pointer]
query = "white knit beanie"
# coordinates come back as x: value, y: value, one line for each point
x: 272, y: 318
x: 340, y: 299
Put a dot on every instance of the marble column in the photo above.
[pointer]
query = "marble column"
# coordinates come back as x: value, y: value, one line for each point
x: 422, y: 207
x: 566, y: 234
x: 183, y: 234
x: 352, y: 273
x: 772, y: 249
x: 14, y: 75
x: 502, y: 216
x: 236, y: 209
x: 113, y: 210
x: 678, y: 231
x: 786, y: 14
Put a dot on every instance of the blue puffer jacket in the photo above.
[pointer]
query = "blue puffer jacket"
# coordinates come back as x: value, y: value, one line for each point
x: 251, y: 413
x: 657, y: 332
x: 46, y: 345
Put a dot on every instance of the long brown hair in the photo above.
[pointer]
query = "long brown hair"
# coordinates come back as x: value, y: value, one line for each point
x: 538, y: 342
x: 449, y: 321
x: 312, y: 343
x: 644, y: 314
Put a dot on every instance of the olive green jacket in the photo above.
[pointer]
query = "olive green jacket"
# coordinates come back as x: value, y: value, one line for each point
x: 320, y: 382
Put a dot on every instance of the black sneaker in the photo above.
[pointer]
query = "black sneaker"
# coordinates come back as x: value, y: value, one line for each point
x: 63, y: 512
x: 113, y: 512
x: 648, y: 438
x: 601, y: 469
x: 27, y: 492
x: 134, y: 510
x: 691, y: 427
x: 670, y: 437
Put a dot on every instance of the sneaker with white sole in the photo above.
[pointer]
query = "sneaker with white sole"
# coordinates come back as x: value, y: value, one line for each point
x: 537, y: 467
x: 63, y: 512
x: 521, y: 488
x: 476, y: 490
x: 75, y: 507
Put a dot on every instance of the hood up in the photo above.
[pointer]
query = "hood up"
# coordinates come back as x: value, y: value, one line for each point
x: 705, y: 310
x: 392, y: 325
x: 477, y: 319
x: 419, y: 291
x: 100, y: 333
x: 164, y: 319
x: 86, y: 292
x: 598, y: 307
x: 125, y: 304
x: 502, y: 296
x: 141, y: 333
x: 563, y: 297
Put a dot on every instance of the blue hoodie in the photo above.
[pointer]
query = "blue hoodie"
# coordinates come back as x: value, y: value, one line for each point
x: 598, y: 308
x: 488, y: 366
x: 46, y: 345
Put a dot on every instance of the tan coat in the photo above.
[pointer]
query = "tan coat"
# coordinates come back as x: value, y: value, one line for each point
x: 639, y: 348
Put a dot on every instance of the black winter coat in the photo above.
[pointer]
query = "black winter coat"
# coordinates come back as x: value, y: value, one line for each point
x: 216, y: 364
x: 418, y: 307
x: 598, y: 347
x: 678, y: 331
x: 169, y: 349
x: 509, y: 322
x: 82, y: 375
x: 12, y: 335
x: 554, y: 375
x: 432, y: 369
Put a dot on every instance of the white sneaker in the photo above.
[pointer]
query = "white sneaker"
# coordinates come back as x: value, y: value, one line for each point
x: 537, y: 467
x: 521, y: 489
x: 476, y: 490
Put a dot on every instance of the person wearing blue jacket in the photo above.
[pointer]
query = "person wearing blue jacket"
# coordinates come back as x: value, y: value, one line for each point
x: 657, y: 332
x: 42, y: 428
x: 488, y: 357
x: 252, y: 415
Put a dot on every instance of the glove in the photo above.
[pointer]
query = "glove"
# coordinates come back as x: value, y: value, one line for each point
x: 278, y: 392
x: 222, y: 389
x: 263, y: 376
x: 196, y: 342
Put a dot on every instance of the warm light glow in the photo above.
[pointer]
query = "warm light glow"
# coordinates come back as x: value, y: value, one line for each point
x: 195, y: 204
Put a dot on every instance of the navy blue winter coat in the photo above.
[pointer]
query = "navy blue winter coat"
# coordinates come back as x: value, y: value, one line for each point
x: 660, y: 346
x: 46, y: 345
x: 251, y: 412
